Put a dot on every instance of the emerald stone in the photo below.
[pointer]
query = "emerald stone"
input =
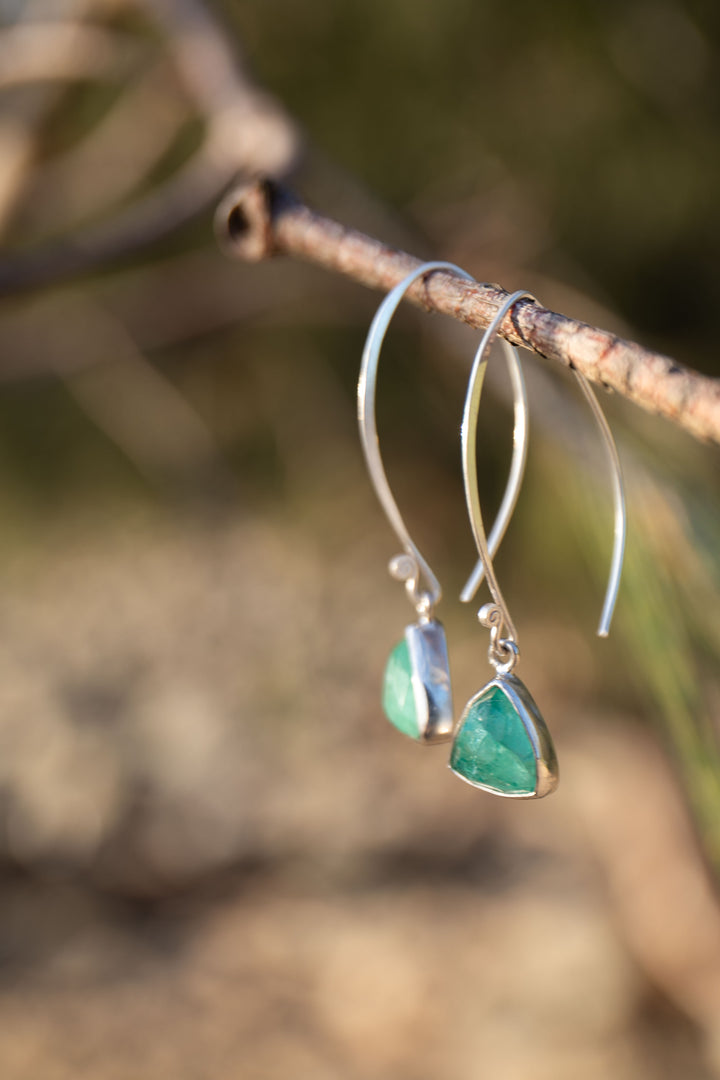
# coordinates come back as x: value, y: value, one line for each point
x: 398, y: 697
x: 492, y: 748
x: 416, y: 690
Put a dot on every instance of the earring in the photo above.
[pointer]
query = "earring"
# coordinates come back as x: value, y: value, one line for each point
x: 417, y: 697
x: 502, y: 744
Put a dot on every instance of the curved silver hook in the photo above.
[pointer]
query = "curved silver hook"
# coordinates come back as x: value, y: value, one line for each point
x: 415, y: 565
x: 469, y: 438
x: 619, y: 507
x: 517, y: 471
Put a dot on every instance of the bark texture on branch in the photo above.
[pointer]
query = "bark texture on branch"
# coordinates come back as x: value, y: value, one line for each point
x: 262, y: 219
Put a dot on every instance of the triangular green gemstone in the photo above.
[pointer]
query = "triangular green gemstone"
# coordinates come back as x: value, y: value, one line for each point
x: 398, y: 697
x: 492, y: 747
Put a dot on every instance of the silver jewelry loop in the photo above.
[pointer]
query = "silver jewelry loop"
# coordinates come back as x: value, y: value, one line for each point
x: 619, y: 506
x: 469, y: 435
x: 420, y: 581
x: 491, y: 616
x: 504, y: 648
x: 517, y: 469
x: 468, y: 438
x: 503, y: 653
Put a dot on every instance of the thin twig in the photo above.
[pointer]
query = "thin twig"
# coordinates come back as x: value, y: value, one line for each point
x: 47, y: 52
x: 80, y: 184
x: 248, y: 128
x: 246, y: 133
x: 20, y: 132
x: 263, y: 219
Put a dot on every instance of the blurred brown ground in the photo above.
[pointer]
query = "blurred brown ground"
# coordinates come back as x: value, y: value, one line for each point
x: 224, y: 864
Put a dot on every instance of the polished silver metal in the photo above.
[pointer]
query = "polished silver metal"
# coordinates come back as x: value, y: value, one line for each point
x: 515, y: 476
x: 427, y: 647
x: 546, y: 766
x: 421, y: 583
x: 503, y: 652
x: 468, y: 439
x: 469, y: 452
x: 619, y: 507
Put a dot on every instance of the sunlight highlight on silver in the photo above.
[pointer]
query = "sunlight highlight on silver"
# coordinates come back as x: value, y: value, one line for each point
x: 469, y: 454
x: 411, y: 567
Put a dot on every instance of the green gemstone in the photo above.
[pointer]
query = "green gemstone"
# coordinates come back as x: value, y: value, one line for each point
x: 398, y: 697
x: 492, y: 747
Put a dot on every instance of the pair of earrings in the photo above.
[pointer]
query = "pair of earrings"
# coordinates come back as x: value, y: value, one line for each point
x: 501, y: 744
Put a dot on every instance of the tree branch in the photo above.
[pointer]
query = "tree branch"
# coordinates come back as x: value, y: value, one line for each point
x: 246, y: 133
x: 263, y: 219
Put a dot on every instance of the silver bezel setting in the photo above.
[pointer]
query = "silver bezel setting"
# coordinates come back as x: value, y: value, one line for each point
x: 427, y: 648
x: 546, y: 766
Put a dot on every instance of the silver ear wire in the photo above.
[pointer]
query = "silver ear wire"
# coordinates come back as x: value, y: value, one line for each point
x: 517, y: 466
x: 619, y: 507
x: 421, y: 583
x: 469, y: 454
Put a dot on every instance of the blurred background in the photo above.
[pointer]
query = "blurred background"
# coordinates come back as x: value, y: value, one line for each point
x: 217, y: 859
